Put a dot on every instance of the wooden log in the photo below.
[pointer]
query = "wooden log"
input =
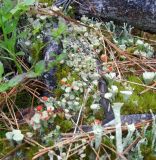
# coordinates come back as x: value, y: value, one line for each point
x: 138, y: 13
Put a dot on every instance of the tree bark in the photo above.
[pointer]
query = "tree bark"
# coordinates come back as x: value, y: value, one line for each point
x: 138, y: 13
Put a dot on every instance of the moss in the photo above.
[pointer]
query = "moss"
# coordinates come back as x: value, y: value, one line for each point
x: 66, y: 126
x: 62, y: 71
x: 110, y: 144
x: 25, y: 128
x: 75, y: 76
x: 150, y: 157
x: 131, y: 50
x: 58, y: 119
x: 88, y: 113
x: 50, y: 2
x: 137, y: 103
x: 30, y: 151
x: 100, y: 114
x: 89, y: 102
x: 23, y: 99
x: 5, y: 147
x: 2, y: 132
x: 58, y: 92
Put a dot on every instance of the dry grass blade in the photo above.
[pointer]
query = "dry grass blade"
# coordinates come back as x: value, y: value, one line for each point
x: 147, y: 89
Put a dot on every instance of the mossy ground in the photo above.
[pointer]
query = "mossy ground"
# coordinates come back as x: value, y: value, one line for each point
x: 145, y: 102
x: 23, y: 100
x: 137, y: 103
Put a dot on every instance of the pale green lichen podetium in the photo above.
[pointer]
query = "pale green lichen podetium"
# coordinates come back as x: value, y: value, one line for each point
x: 116, y: 109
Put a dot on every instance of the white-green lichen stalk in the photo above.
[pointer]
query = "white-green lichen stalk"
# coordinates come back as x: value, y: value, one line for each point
x: 116, y: 109
x: 126, y: 94
x: 138, y: 147
x: 153, y: 132
x: 98, y: 133
x: 129, y: 138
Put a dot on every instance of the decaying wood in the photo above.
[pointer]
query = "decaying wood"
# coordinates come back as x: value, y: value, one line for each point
x: 138, y: 13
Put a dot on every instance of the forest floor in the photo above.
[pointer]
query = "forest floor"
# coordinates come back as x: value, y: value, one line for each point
x: 61, y: 79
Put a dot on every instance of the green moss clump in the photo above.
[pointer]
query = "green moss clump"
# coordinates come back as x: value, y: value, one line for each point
x: 23, y: 99
x: 58, y: 92
x: 110, y: 143
x: 131, y: 50
x: 30, y: 151
x: 88, y: 104
x: 150, y: 157
x: 25, y: 128
x: 66, y: 126
x: 5, y: 146
x: 50, y: 2
x: 137, y: 103
x: 100, y: 114
x: 62, y: 71
x: 75, y: 76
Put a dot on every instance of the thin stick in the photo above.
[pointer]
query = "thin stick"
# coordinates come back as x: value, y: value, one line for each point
x: 60, y: 144
x: 147, y: 89
x: 14, y: 114
x: 143, y: 85
x: 106, y: 153
x: 77, y: 149
x: 120, y: 155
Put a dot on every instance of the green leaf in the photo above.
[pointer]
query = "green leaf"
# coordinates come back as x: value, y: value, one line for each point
x: 29, y: 2
x: 16, y: 80
x: 20, y: 53
x: 14, y: 10
x: 22, y: 6
x: 4, y: 87
x: 40, y: 67
x: 60, y: 30
x: 61, y: 57
x: 1, y: 69
x: 10, y: 26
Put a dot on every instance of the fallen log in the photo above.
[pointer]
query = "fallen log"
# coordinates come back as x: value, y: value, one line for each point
x: 138, y: 13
